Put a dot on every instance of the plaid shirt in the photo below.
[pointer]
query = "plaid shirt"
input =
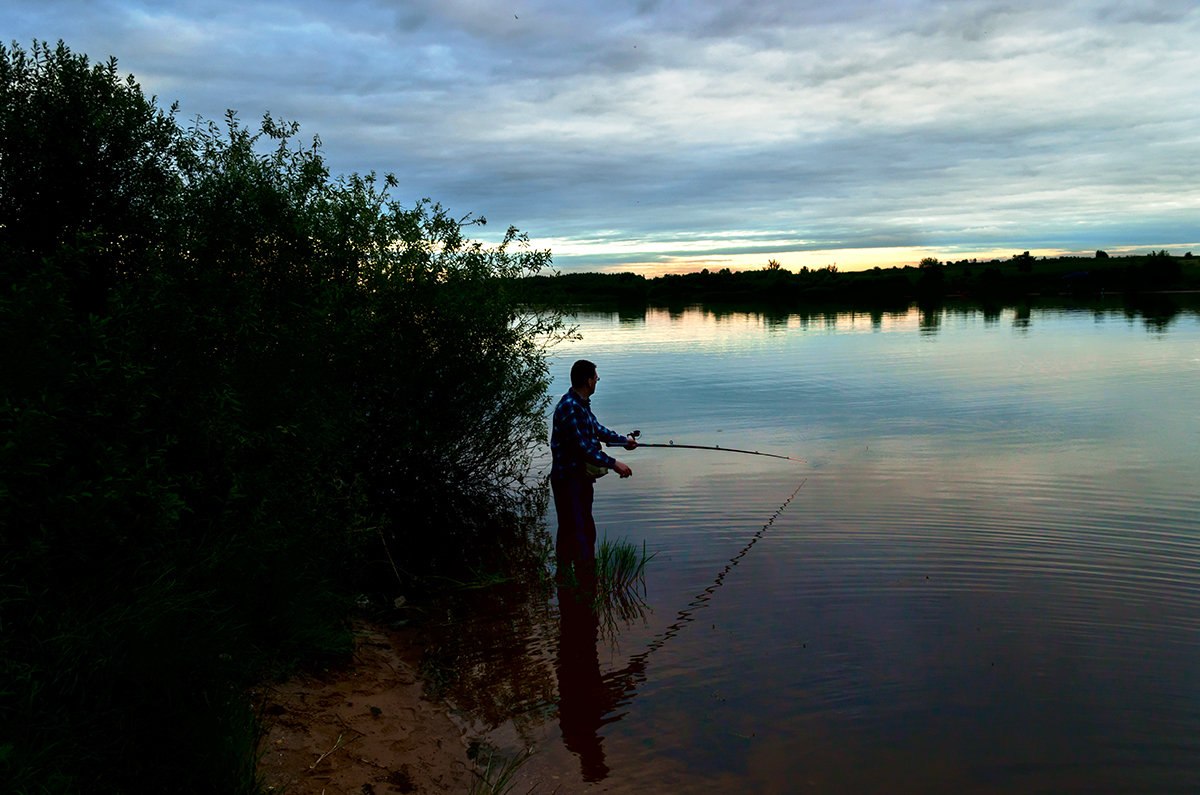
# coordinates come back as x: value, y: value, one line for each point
x: 576, y: 436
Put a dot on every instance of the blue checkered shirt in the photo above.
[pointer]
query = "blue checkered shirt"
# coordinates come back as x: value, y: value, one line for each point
x: 576, y: 436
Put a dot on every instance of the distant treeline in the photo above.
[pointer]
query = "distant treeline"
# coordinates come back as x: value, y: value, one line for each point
x: 1020, y: 277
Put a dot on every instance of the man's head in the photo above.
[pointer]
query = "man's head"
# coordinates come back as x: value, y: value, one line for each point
x: 583, y: 377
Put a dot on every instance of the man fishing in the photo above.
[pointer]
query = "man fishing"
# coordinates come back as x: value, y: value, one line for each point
x: 575, y: 446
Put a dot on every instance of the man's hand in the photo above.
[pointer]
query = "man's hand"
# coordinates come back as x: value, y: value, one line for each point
x: 622, y: 469
x: 630, y: 442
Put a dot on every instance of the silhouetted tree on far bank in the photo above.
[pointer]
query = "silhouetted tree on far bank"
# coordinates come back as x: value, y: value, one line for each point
x: 1020, y: 276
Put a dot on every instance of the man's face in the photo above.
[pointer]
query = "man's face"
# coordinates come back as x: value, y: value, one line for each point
x: 592, y: 383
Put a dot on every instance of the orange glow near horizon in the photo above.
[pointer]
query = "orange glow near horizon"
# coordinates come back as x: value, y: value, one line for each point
x: 847, y: 259
x: 644, y: 259
x: 843, y: 259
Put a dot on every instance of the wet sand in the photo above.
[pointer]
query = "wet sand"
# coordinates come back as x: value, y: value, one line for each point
x: 365, y: 727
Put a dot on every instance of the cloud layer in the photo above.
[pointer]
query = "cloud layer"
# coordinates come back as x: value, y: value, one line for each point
x: 676, y: 135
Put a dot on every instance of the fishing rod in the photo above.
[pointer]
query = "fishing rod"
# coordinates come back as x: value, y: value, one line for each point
x: 636, y: 434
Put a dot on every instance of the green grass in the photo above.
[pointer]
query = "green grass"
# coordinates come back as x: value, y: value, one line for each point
x: 498, y: 776
x: 620, y: 567
x: 620, y: 583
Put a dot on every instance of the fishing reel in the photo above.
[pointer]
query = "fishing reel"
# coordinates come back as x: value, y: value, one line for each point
x: 596, y: 472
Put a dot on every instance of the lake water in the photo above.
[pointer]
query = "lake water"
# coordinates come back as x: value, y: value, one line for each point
x: 987, y: 581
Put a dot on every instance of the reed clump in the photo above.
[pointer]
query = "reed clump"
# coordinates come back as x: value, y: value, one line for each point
x: 619, y: 574
x: 621, y: 566
x: 499, y: 773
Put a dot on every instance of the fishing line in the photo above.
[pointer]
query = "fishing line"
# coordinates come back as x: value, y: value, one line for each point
x: 700, y: 601
x: 623, y: 684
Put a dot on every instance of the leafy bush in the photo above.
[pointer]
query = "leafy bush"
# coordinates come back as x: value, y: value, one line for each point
x: 235, y: 376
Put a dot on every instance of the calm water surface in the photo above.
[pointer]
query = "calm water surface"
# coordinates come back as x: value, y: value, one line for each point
x: 987, y: 581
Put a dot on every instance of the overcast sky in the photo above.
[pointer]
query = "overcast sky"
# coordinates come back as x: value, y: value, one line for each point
x: 643, y: 135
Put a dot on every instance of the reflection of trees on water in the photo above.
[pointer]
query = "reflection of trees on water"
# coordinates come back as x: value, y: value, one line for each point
x: 1156, y: 310
x: 489, y: 653
x: 930, y: 320
x: 1022, y: 318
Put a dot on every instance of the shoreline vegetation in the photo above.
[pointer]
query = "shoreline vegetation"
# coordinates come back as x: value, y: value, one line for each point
x: 242, y: 399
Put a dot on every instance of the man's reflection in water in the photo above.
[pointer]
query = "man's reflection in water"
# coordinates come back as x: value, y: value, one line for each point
x: 587, y: 700
x: 581, y: 707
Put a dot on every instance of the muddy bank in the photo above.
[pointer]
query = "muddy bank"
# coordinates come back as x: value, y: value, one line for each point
x: 365, y: 727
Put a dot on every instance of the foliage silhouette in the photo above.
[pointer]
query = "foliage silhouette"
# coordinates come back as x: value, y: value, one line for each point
x: 236, y: 376
x: 1018, y: 278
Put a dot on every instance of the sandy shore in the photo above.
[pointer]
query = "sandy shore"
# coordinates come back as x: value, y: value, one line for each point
x: 365, y: 727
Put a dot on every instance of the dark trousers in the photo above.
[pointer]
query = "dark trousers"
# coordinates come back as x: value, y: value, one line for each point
x: 576, y: 541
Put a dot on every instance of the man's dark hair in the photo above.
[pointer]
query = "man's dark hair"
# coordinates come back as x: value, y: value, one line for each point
x: 581, y: 371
